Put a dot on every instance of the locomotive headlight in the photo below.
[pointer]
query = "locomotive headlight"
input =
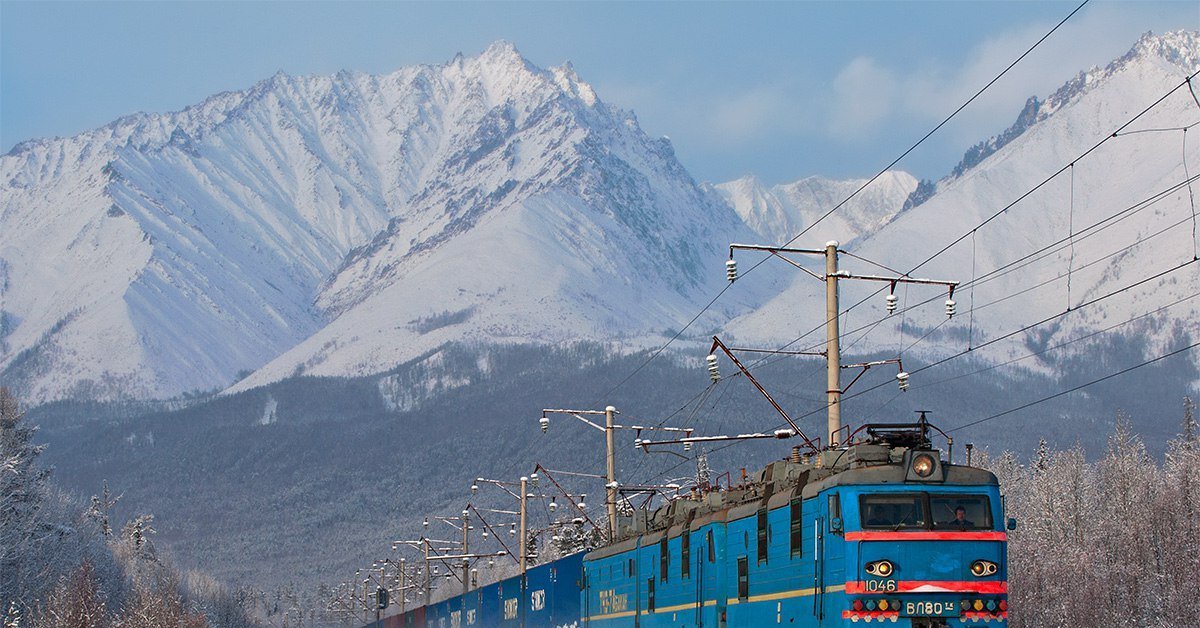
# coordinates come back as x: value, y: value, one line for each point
x: 923, y: 465
x: 881, y: 568
x: 981, y: 568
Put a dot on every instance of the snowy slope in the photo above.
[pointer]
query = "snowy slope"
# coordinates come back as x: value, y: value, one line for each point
x: 357, y: 215
x: 780, y: 212
x: 1134, y: 166
x: 340, y: 225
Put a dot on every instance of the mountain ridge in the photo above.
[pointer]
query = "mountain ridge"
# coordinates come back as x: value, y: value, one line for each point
x: 343, y: 224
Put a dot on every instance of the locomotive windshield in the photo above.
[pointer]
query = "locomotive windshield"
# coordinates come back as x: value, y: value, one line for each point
x: 939, y: 511
x: 894, y: 511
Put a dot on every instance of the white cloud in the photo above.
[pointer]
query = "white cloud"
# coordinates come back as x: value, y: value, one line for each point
x: 929, y: 91
x: 863, y: 97
x: 751, y: 114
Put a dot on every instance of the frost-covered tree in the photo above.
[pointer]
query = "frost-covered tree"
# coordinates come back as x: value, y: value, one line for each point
x: 157, y: 603
x: 22, y: 491
x: 77, y: 602
x: 99, y: 510
x: 1107, y: 543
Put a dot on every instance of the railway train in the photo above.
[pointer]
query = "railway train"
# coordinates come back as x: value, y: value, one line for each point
x: 881, y: 529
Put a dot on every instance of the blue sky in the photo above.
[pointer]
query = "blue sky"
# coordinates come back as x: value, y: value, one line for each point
x: 781, y: 90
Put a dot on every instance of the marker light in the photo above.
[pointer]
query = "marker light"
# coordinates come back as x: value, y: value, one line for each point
x: 881, y: 568
x: 981, y: 568
x: 923, y: 465
x: 978, y: 605
x: 883, y: 605
x: 858, y: 605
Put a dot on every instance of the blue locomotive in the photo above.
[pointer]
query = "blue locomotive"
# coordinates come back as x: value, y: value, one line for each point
x: 881, y: 529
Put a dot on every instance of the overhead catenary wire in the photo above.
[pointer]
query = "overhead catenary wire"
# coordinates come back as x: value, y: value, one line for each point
x: 1008, y: 335
x: 835, y: 208
x: 1079, y: 387
x: 1021, y: 330
x: 1071, y: 239
x: 1050, y: 178
x: 1036, y: 255
x: 1027, y: 405
x: 1009, y: 267
x: 940, y: 124
x: 1087, y: 336
x: 678, y: 334
x: 657, y: 352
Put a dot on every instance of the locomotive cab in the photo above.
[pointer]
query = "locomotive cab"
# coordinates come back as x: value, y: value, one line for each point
x: 925, y: 544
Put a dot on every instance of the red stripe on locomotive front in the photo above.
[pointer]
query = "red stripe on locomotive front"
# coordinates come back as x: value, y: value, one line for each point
x: 926, y: 536
x: 935, y: 586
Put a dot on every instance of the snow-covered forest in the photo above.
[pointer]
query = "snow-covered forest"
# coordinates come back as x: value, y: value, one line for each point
x: 1112, y: 542
x: 64, y: 564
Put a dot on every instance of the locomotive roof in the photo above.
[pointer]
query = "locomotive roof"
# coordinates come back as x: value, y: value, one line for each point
x: 865, y: 463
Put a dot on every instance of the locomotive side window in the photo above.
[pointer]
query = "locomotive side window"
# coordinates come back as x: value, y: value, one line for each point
x: 664, y: 558
x: 712, y: 548
x: 762, y: 536
x: 796, y: 539
x: 685, y: 554
x: 743, y: 578
x: 960, y: 512
x: 893, y: 511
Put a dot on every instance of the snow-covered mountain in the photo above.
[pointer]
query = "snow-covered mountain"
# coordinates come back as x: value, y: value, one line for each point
x: 780, y: 212
x: 342, y: 224
x: 1083, y: 242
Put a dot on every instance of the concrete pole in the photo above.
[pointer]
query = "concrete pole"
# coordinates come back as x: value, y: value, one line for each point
x: 833, y: 359
x: 610, y: 488
x: 382, y: 585
x: 401, y: 592
x: 366, y: 601
x: 466, y: 566
x: 522, y: 540
x: 428, y: 574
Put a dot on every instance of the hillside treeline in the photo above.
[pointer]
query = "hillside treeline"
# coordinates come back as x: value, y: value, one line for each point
x: 1106, y: 543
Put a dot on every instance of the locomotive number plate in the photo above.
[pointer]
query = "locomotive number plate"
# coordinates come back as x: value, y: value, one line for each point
x: 929, y: 608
